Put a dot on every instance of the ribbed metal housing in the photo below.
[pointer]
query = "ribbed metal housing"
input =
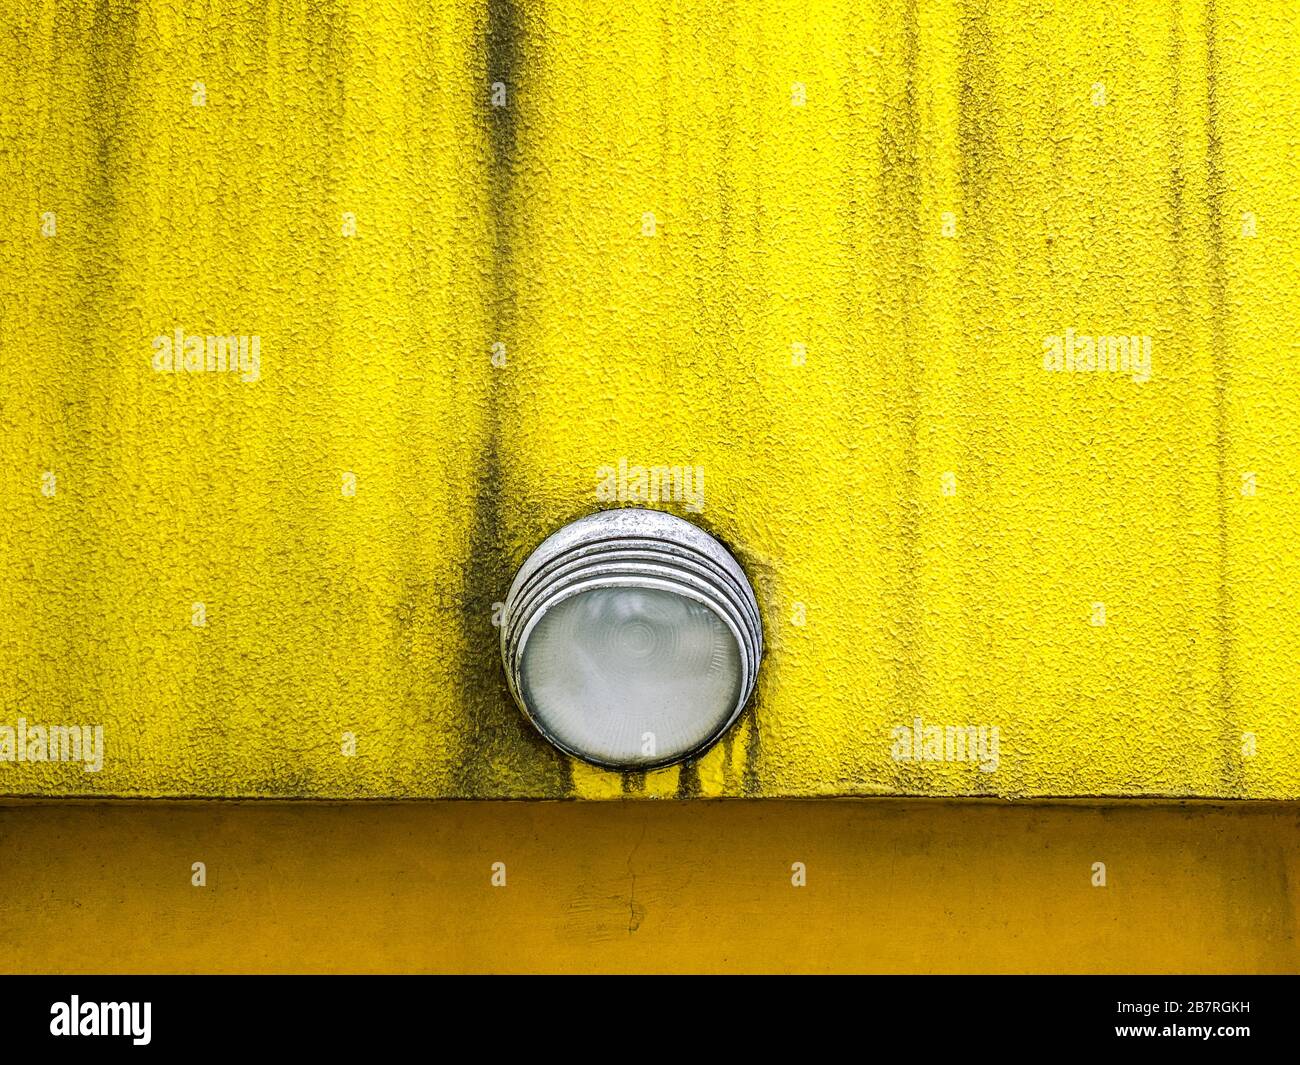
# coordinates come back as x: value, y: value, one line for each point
x: 639, y: 549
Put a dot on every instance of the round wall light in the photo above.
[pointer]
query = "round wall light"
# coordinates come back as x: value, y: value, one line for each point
x: 631, y: 639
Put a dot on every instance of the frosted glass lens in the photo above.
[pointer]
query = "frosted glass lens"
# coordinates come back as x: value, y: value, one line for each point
x: 631, y: 675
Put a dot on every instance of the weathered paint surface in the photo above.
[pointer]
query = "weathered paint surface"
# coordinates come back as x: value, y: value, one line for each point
x: 1096, y: 166
x: 891, y: 886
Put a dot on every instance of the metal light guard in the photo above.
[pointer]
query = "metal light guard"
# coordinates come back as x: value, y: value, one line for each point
x: 632, y: 548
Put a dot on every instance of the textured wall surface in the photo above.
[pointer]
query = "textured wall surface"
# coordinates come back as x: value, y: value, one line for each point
x: 817, y: 249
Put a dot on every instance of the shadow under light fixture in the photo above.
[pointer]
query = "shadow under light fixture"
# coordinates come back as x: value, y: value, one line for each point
x: 631, y: 639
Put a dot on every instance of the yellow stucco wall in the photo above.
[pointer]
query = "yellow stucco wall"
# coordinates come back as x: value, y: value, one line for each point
x: 1094, y: 164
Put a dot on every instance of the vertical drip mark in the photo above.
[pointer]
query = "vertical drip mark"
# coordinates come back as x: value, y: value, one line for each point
x: 500, y: 752
x: 112, y: 59
x: 979, y: 165
x: 752, y: 782
x: 88, y: 386
x: 688, y: 780
x: 728, y: 766
x: 902, y: 204
x: 109, y: 102
x: 1183, y: 681
x: 1230, y: 768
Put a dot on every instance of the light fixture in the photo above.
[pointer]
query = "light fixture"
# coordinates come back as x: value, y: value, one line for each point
x: 631, y: 639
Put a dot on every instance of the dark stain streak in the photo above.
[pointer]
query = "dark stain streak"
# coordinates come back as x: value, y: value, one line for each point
x: 979, y: 160
x: 1183, y: 680
x: 752, y: 783
x: 688, y: 780
x: 1230, y: 767
x: 633, y: 781
x: 900, y: 202
x: 97, y: 297
x: 504, y: 55
x: 111, y: 59
x: 975, y: 117
x: 500, y: 751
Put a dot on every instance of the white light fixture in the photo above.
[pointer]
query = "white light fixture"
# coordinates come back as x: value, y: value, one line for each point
x: 631, y: 639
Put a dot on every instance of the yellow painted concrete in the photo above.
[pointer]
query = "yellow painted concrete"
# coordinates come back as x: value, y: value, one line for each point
x: 891, y: 886
x: 1093, y: 163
